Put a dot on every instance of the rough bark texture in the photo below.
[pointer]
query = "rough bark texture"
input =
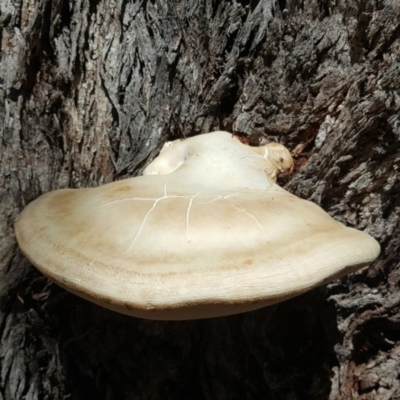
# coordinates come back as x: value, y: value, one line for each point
x: 90, y: 89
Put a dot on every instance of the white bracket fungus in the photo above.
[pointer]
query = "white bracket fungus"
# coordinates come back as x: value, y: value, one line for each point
x: 205, y: 232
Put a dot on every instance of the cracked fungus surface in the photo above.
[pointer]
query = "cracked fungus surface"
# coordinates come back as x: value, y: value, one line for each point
x: 203, y: 233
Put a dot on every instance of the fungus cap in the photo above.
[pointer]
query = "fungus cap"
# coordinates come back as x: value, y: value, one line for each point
x: 205, y: 232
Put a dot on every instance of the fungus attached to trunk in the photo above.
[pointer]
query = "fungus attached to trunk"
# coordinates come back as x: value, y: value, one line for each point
x: 205, y: 232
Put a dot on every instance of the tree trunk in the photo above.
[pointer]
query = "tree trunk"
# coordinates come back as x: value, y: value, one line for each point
x: 90, y: 91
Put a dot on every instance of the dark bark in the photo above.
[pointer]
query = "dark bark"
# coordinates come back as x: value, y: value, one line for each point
x: 90, y: 91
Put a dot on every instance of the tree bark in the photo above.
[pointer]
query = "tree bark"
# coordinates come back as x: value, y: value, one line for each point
x: 90, y: 91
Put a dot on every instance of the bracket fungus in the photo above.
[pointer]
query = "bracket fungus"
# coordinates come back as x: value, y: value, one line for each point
x: 204, y: 232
